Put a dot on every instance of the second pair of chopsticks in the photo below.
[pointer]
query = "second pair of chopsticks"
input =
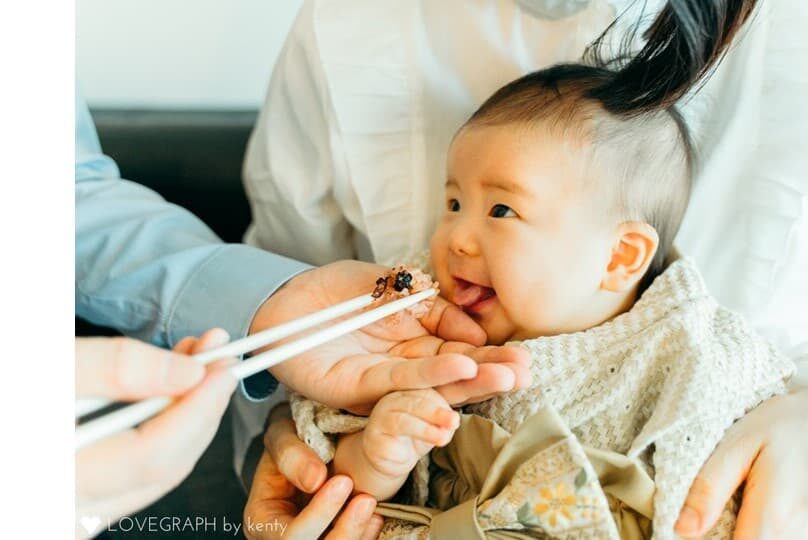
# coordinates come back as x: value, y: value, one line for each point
x: 136, y: 413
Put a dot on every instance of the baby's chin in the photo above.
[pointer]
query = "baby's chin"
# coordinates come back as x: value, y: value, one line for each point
x: 499, y: 329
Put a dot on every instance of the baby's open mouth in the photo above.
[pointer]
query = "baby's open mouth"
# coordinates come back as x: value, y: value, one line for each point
x: 471, y: 296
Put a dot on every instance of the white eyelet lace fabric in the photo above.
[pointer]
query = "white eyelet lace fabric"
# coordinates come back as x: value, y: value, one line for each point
x: 661, y: 382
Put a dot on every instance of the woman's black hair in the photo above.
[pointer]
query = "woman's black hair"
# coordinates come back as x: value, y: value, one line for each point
x: 686, y: 40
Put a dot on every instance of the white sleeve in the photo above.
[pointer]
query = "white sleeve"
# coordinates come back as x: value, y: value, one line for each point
x: 747, y: 222
x: 289, y: 170
x: 782, y: 173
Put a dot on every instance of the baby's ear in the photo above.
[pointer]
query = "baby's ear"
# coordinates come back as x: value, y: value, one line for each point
x: 634, y: 249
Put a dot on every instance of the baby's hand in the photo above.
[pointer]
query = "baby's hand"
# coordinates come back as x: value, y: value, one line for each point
x: 403, y: 427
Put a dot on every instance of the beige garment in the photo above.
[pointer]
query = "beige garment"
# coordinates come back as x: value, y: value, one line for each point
x: 538, y: 481
x: 660, y: 383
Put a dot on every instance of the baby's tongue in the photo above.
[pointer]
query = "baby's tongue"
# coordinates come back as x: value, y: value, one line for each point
x: 467, y: 294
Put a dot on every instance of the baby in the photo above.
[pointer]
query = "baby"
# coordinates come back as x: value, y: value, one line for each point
x: 558, y: 234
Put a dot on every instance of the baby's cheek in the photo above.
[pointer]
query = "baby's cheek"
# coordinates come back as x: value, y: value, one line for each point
x: 441, y: 275
x: 529, y: 309
x: 440, y: 272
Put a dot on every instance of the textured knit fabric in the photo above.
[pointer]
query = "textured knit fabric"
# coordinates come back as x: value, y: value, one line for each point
x: 661, y: 383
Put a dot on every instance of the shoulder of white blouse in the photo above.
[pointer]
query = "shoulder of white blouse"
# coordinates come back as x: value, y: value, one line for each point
x: 768, y: 60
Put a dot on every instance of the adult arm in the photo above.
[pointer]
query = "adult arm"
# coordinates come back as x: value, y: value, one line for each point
x: 152, y: 269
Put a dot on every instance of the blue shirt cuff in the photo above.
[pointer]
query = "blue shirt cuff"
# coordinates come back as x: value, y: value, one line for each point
x: 226, y: 291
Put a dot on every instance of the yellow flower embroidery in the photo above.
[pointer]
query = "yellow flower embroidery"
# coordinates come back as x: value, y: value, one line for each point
x: 556, y: 503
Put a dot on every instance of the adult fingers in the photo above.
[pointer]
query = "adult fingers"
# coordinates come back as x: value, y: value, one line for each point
x: 324, y: 506
x: 491, y: 380
x: 178, y: 437
x: 718, y: 479
x: 516, y: 359
x: 124, y: 368
x: 147, y: 461
x: 501, y: 369
x: 185, y: 345
x: 270, y: 506
x: 356, y: 520
x: 295, y: 460
x: 191, y: 421
x: 162, y: 451
x: 428, y: 345
x: 213, y: 338
x: 401, y: 374
x: 505, y: 354
x: 774, y: 494
x: 767, y: 449
x: 127, y: 369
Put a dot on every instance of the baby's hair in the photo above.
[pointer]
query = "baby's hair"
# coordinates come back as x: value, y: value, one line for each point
x: 683, y: 44
x: 624, y: 108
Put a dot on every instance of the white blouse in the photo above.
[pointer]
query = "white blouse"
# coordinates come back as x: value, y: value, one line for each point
x: 347, y: 159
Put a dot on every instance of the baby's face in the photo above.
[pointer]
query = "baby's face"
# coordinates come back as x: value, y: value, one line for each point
x: 526, y: 237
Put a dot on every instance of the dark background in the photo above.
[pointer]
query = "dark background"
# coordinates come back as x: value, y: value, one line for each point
x: 192, y: 158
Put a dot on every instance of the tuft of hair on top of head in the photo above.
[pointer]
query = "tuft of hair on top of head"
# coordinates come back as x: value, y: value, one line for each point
x: 648, y: 156
x: 625, y: 106
x: 683, y: 44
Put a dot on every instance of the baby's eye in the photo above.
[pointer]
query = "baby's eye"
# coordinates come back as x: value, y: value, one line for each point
x: 500, y: 211
x: 453, y: 205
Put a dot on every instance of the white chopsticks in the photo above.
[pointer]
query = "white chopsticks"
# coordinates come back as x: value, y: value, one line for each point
x: 136, y: 413
x: 250, y: 343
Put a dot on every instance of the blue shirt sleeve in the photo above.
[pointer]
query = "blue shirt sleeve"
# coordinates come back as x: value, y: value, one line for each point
x: 153, y: 270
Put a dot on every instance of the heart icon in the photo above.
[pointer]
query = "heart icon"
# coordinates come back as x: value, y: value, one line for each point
x: 91, y: 523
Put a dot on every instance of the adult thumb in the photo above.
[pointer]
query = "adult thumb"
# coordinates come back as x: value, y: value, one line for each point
x: 717, y: 481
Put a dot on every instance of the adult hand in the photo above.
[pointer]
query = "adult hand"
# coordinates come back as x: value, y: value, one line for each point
x: 126, y: 472
x: 767, y: 448
x: 280, y: 508
x: 354, y: 371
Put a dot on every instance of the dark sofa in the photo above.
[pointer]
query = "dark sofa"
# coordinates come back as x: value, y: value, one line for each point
x: 192, y: 158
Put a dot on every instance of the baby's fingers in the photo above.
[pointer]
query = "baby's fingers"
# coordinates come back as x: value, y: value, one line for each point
x: 426, y: 404
x: 406, y: 425
x: 422, y: 415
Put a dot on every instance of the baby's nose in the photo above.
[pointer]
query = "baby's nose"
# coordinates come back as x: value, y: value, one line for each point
x: 463, y: 241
